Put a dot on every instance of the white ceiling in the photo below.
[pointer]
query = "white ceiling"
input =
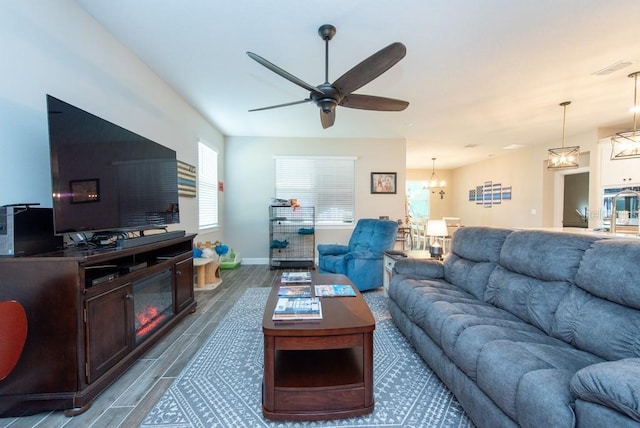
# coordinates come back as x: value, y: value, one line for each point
x: 488, y: 73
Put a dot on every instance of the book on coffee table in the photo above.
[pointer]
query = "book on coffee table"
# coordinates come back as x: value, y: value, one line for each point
x: 294, y: 291
x: 334, y: 290
x: 295, y: 277
x: 297, y: 308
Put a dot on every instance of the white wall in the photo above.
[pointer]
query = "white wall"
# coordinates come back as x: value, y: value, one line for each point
x: 533, y: 186
x: 54, y: 47
x: 250, y: 185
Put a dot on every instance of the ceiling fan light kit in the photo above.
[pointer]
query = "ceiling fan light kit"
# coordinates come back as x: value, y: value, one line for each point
x: 328, y: 96
x: 563, y: 157
x: 626, y: 145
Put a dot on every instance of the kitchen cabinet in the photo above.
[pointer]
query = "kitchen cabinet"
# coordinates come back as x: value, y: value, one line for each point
x: 620, y: 172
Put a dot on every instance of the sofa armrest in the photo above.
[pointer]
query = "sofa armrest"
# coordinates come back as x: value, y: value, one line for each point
x: 332, y: 249
x: 419, y: 268
x: 615, y: 384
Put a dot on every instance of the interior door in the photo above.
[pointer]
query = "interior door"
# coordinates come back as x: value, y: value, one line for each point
x: 575, y: 211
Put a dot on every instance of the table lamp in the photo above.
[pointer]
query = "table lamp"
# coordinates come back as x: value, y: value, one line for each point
x: 436, y: 229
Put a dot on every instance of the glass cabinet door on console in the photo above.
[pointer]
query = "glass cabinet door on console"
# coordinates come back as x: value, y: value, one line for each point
x: 152, y: 304
x: 108, y: 330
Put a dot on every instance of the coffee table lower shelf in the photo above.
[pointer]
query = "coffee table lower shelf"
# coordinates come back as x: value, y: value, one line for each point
x: 319, y: 384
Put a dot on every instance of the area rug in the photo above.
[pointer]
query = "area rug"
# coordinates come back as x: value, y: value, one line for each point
x: 221, y: 385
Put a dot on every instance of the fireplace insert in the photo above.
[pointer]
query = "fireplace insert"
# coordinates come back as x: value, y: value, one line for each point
x: 153, y: 303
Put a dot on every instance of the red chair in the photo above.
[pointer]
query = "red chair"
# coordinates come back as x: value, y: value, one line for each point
x: 13, y: 334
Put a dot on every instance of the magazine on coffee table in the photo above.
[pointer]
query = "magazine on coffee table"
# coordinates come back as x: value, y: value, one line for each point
x: 295, y: 277
x: 294, y: 291
x: 334, y: 290
x: 290, y: 309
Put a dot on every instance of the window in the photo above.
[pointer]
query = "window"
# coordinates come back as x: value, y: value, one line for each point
x: 207, y: 186
x: 326, y: 183
x: 417, y: 199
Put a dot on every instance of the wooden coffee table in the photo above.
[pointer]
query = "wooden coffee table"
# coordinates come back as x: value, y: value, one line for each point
x: 323, y: 369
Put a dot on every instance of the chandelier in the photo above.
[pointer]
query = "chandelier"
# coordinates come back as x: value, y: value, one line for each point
x: 435, y: 184
x: 626, y: 145
x: 563, y: 157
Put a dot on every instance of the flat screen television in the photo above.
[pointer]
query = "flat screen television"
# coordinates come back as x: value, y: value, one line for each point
x: 106, y: 178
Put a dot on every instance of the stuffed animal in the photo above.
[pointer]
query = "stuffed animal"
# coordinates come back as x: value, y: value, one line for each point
x: 209, y: 248
x: 222, y: 249
x: 207, y: 253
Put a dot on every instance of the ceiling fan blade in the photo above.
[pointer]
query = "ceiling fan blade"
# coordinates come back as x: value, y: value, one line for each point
x: 290, y: 77
x: 306, y: 100
x: 370, y: 102
x: 370, y: 68
x: 327, y: 119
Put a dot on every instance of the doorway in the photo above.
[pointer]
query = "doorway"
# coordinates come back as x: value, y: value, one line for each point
x: 417, y: 200
x: 575, y: 210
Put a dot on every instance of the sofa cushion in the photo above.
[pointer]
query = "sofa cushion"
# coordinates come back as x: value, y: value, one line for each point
x: 417, y: 297
x: 609, y: 270
x: 596, y: 325
x: 464, y: 337
x: 473, y: 256
x: 469, y: 275
x: 523, y: 378
x: 614, y: 384
x: 479, y: 244
x: 535, y: 272
x: 548, y: 256
x: 530, y: 299
x: 446, y: 319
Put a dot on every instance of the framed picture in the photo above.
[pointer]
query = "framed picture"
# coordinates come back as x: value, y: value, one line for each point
x: 83, y: 191
x: 497, y: 193
x: 383, y: 182
x: 479, y: 195
x: 506, y: 193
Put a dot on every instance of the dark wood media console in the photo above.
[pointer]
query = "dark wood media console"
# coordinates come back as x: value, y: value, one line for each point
x: 82, y: 337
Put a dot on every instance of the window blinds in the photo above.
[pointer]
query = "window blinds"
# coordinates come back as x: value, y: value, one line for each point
x: 207, y: 186
x: 326, y: 183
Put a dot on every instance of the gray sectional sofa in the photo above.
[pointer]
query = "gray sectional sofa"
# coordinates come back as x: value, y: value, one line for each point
x: 529, y: 328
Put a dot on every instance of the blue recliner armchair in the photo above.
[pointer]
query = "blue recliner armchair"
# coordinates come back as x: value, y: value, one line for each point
x: 361, y: 261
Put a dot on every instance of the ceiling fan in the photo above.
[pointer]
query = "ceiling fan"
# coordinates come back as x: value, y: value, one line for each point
x: 328, y: 96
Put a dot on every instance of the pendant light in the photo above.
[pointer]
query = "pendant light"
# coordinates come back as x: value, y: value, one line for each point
x: 435, y: 184
x: 564, y: 157
x: 626, y: 145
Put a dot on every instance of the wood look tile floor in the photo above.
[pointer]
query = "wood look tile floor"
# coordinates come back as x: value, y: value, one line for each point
x: 128, y: 400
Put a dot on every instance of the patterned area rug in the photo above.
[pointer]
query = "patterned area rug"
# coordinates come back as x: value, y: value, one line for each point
x: 221, y: 385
